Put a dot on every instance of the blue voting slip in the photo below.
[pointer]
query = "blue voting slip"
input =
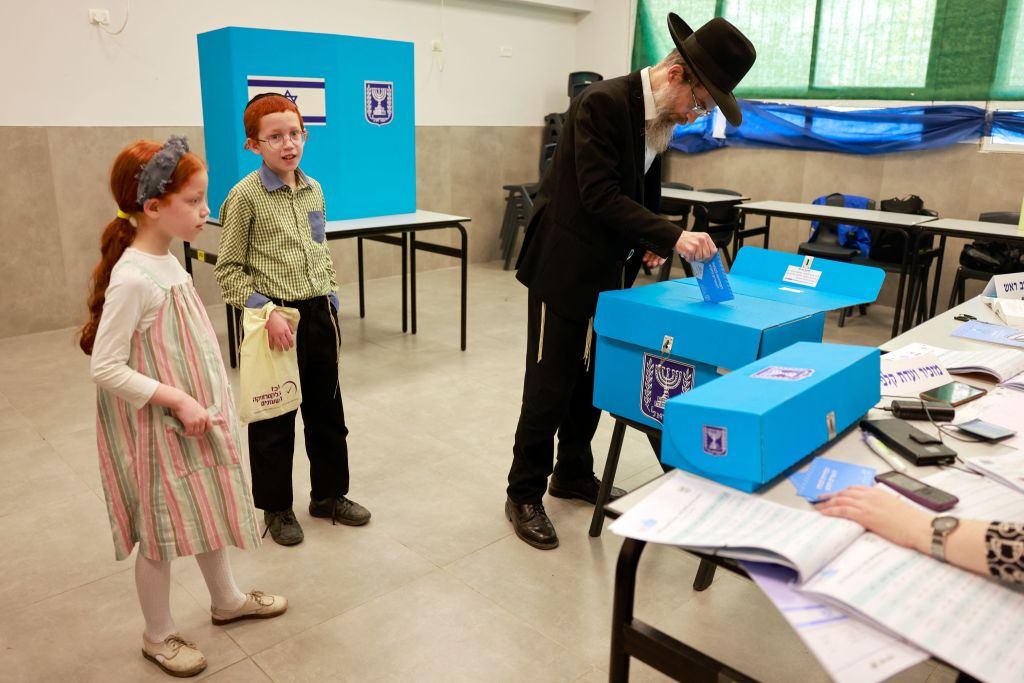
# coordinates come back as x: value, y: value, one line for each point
x: 996, y: 334
x: 712, y: 280
x: 797, y: 478
x: 831, y: 476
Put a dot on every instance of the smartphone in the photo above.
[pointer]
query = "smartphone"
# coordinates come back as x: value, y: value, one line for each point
x: 954, y: 393
x: 918, y: 491
x: 985, y: 430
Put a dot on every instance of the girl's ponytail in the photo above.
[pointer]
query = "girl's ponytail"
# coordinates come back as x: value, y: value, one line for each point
x: 118, y: 236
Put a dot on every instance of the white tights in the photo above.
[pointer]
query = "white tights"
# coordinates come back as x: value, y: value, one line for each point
x: 153, y: 582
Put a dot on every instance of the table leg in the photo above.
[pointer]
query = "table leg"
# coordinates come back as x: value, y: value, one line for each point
x: 705, y: 575
x: 610, y: 466
x: 622, y: 609
x: 736, y: 235
x: 188, y: 260
x: 767, y: 232
x: 412, y: 276
x: 405, y: 280
x: 938, y: 276
x: 465, y: 279
x: 359, y: 268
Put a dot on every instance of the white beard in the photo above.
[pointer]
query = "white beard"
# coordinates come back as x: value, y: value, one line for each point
x: 658, y: 133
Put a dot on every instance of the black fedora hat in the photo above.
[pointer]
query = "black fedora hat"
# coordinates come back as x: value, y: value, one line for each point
x: 719, y: 55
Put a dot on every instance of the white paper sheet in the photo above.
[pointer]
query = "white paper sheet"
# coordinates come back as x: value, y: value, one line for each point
x: 850, y: 650
x: 699, y: 515
x: 974, y: 623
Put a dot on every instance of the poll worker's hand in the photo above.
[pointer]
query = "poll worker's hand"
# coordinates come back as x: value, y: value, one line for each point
x: 279, y: 332
x: 652, y: 260
x: 696, y: 246
x: 883, y: 513
x: 192, y: 415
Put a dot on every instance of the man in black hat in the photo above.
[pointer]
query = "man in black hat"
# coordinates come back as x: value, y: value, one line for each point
x: 595, y: 219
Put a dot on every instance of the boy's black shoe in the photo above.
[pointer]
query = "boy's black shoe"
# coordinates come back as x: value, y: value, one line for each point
x: 584, y: 489
x: 283, y: 527
x: 340, y: 509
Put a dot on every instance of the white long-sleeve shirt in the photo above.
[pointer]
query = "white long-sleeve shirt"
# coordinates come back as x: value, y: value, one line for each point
x: 132, y: 302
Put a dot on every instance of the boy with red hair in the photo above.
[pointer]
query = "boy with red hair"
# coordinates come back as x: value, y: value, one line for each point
x: 273, y: 249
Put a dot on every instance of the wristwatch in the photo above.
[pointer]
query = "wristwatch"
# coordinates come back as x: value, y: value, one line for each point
x: 941, y: 528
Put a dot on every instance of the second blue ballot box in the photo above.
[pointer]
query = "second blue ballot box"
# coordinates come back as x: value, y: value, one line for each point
x: 661, y: 340
x: 750, y: 426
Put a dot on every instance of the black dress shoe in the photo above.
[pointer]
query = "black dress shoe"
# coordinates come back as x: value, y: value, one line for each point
x: 531, y: 523
x: 584, y: 489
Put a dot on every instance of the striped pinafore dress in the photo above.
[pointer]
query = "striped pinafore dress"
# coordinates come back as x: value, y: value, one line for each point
x: 171, y: 494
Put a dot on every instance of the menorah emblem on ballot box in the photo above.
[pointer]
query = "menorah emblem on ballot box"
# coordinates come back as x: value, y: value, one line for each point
x: 380, y: 102
x: 663, y: 379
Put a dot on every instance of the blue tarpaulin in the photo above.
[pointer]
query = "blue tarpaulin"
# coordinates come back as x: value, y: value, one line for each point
x: 865, y: 131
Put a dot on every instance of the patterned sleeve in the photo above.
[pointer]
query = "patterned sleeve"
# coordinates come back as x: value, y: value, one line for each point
x: 1004, y: 544
x: 236, y: 216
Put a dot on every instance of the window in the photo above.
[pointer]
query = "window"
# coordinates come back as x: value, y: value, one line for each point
x: 874, y: 43
x: 862, y: 49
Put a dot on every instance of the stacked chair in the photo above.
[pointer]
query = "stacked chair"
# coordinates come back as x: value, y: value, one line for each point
x: 519, y: 197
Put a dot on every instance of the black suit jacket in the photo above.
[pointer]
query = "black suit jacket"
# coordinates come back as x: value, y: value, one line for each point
x: 595, y: 206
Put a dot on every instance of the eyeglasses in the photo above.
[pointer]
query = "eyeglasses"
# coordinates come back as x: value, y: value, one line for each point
x: 276, y: 141
x: 698, y: 108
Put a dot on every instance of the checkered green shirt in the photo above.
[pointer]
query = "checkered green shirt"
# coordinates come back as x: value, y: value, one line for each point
x: 272, y: 241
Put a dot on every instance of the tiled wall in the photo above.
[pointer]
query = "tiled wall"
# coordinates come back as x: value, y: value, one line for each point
x: 54, y: 203
x: 54, y: 200
x: 957, y: 181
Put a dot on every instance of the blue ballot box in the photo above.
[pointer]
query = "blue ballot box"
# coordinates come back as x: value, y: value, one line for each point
x: 356, y: 96
x: 658, y: 341
x: 756, y: 422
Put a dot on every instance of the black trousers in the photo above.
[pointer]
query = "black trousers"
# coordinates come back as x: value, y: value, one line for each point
x: 558, y: 394
x: 272, y: 442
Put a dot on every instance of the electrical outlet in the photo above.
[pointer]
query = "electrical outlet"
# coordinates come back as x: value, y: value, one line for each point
x: 505, y: 51
x: 99, y: 16
x: 436, y: 46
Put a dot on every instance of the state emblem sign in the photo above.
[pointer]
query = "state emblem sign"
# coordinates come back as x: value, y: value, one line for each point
x: 379, y: 98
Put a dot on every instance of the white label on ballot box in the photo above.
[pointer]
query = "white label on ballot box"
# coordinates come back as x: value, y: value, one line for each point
x: 802, y: 276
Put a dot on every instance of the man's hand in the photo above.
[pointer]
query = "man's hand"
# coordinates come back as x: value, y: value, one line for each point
x: 279, y: 332
x: 652, y: 260
x: 696, y: 246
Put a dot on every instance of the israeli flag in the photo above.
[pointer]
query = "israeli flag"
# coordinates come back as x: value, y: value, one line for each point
x: 308, y: 94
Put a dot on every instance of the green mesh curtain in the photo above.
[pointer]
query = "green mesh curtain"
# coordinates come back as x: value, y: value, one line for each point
x: 861, y: 49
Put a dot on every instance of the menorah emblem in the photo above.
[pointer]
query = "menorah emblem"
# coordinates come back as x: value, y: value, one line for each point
x: 669, y: 379
x: 662, y: 379
x: 379, y: 95
x: 380, y: 102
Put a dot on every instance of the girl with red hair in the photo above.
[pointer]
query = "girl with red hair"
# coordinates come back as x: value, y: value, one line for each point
x: 166, y: 426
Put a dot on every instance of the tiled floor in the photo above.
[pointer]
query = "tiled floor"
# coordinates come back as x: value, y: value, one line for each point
x: 436, y: 588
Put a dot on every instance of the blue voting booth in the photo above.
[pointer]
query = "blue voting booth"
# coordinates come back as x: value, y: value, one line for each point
x: 661, y: 340
x: 356, y: 96
x: 750, y: 426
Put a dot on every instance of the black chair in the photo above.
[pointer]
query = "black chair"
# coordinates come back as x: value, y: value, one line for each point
x: 965, y: 273
x: 826, y: 245
x: 675, y: 210
x: 579, y: 80
x: 518, y: 208
x: 553, y: 124
x: 917, y: 296
x: 721, y: 221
